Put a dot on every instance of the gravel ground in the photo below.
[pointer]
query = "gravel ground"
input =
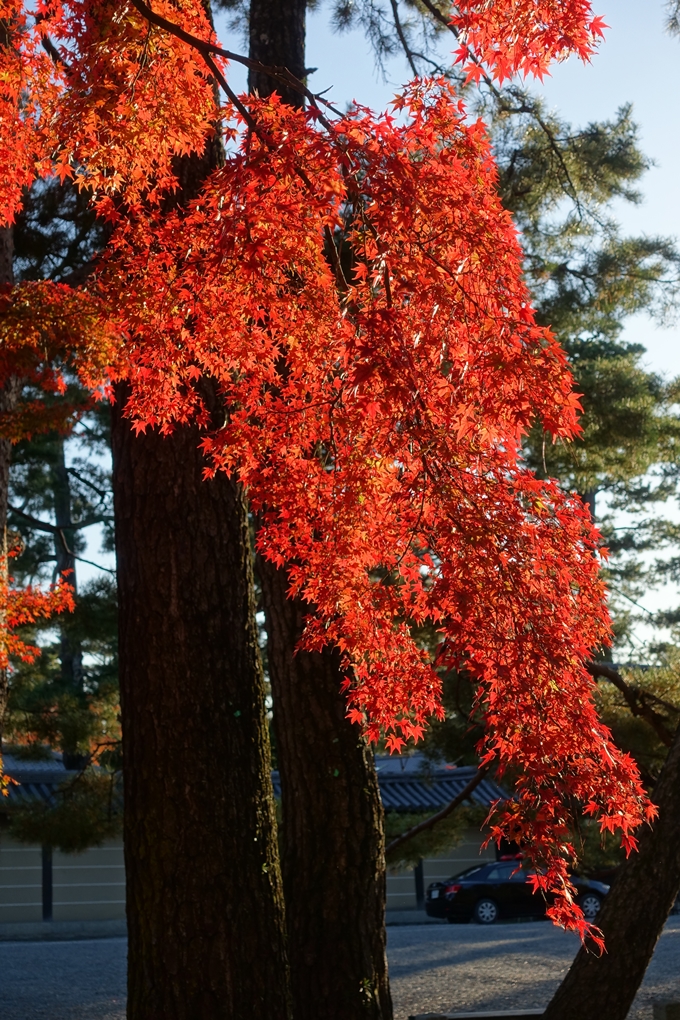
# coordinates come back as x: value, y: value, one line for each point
x: 432, y: 967
x: 80, y: 980
x: 460, y: 967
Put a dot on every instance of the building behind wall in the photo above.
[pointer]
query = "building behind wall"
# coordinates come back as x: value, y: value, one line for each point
x: 40, y: 884
x: 413, y: 784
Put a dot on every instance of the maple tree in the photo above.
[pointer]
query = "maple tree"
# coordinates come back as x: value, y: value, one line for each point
x: 585, y: 278
x: 376, y: 421
x: 334, y: 506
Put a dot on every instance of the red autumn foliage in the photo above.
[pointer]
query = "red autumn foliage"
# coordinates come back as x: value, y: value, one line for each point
x: 20, y: 606
x: 28, y: 84
x: 352, y: 289
x: 524, y: 35
x: 51, y: 334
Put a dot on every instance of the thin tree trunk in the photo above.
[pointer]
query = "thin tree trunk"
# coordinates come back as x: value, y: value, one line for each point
x: 632, y: 917
x: 333, y: 858
x: 9, y: 397
x: 204, y: 897
x: 70, y: 649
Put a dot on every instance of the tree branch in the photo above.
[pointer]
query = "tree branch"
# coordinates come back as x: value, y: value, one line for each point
x: 634, y: 698
x: 209, y: 49
x: 402, y: 37
x: 433, y: 820
x: 52, y: 529
x: 102, y: 493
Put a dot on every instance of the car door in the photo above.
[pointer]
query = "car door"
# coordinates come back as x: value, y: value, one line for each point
x: 499, y: 887
x: 507, y: 884
x: 537, y: 902
x: 527, y: 902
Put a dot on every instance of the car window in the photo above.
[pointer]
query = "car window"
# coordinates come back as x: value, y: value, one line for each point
x: 519, y: 876
x: 468, y: 872
x: 500, y: 873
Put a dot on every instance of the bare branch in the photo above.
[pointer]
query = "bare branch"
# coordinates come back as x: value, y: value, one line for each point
x: 402, y: 37
x: 52, y: 529
x: 433, y: 820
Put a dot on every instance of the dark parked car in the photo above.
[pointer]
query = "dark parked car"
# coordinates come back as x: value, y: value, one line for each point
x: 489, y: 892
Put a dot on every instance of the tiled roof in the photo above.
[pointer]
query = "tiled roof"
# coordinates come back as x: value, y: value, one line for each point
x: 36, y: 779
x: 407, y: 783
x: 412, y: 783
x: 433, y: 792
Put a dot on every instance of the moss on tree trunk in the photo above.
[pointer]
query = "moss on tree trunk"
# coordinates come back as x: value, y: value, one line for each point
x: 333, y: 857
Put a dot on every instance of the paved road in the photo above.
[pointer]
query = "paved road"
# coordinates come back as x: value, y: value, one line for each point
x: 432, y: 967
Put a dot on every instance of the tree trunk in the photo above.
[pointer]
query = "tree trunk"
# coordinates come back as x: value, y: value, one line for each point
x: 70, y: 649
x: 206, y: 924
x: 277, y: 38
x: 632, y: 917
x: 333, y: 858
x: 204, y: 897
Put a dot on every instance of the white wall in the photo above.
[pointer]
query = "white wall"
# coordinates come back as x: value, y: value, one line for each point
x: 85, y: 887
x: 20, y: 882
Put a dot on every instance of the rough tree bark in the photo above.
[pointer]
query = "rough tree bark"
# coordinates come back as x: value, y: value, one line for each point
x: 333, y: 857
x: 205, y: 908
x: 204, y: 897
x: 277, y: 38
x: 632, y: 917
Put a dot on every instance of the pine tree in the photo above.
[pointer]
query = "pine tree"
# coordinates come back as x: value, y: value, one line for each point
x: 67, y: 697
x: 204, y: 899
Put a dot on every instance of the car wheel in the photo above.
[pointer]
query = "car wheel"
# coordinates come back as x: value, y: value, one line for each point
x: 590, y: 904
x: 486, y: 912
